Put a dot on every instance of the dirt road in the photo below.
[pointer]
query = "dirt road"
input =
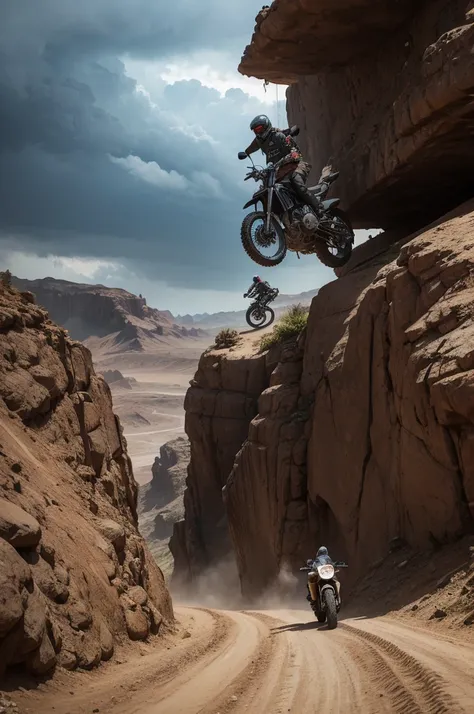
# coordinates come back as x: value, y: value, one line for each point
x: 274, y: 662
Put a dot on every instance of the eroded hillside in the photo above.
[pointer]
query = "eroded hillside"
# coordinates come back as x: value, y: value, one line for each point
x: 76, y: 578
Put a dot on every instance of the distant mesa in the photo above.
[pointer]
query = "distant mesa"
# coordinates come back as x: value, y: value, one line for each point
x: 116, y: 380
x: 109, y: 320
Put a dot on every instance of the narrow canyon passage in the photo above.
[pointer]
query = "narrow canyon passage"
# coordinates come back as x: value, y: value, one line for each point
x: 273, y: 662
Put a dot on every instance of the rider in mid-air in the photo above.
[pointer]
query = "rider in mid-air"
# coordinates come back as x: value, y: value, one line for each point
x: 279, y: 147
x: 258, y: 288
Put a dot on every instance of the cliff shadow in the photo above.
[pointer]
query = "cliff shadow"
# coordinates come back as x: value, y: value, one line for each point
x: 429, y: 584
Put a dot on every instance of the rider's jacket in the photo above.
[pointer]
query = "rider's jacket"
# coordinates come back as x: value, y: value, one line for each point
x: 257, y: 289
x: 323, y: 560
x: 276, y: 146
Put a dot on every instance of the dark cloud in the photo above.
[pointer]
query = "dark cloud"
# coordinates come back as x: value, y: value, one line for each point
x: 91, y: 165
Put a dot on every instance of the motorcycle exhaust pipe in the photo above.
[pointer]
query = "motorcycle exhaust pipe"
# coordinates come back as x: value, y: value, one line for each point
x: 313, y: 588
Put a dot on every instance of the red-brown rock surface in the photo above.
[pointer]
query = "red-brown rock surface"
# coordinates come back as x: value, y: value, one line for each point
x: 69, y: 545
x: 382, y: 90
x: 365, y: 429
x: 219, y: 405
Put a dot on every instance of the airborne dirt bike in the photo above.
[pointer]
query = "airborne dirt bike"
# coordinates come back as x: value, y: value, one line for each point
x: 259, y: 313
x: 323, y: 590
x: 287, y: 224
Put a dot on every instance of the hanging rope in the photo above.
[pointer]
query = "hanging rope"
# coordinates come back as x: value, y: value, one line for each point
x: 278, y: 106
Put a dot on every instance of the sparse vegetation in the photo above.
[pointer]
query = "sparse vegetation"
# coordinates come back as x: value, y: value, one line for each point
x: 226, y: 338
x: 6, y: 278
x: 290, y: 325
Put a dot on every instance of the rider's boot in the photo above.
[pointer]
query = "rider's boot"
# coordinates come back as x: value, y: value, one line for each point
x: 304, y: 195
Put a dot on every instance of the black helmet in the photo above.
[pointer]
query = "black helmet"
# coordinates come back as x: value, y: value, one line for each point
x: 257, y: 279
x: 322, y: 551
x: 261, y: 125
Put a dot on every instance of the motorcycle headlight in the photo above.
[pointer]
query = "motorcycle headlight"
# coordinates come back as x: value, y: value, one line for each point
x: 326, y: 572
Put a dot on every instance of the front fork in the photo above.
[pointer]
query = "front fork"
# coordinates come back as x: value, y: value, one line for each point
x: 269, y: 210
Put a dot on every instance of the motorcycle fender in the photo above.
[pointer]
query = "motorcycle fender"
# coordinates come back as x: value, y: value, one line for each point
x: 331, y: 203
x: 327, y: 587
x: 255, y: 198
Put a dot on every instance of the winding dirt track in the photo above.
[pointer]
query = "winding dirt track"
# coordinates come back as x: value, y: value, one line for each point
x: 275, y: 662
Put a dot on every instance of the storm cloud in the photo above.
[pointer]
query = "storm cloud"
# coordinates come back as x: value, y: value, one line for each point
x: 93, y: 163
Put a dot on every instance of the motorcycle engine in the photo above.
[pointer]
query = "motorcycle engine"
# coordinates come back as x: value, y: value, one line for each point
x: 300, y: 229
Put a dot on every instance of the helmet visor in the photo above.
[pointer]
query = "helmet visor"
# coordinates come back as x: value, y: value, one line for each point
x: 259, y: 129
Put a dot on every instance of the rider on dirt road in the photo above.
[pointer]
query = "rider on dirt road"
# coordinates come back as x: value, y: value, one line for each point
x: 323, y: 558
x: 259, y: 288
x: 279, y: 146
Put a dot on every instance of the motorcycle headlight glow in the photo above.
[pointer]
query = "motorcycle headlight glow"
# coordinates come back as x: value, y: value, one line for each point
x: 326, y: 572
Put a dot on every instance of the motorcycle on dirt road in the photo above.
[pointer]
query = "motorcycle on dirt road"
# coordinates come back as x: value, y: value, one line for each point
x: 285, y: 223
x: 324, y: 590
x: 259, y: 313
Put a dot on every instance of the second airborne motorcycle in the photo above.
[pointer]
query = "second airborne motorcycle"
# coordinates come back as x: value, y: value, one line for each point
x: 259, y: 313
x: 284, y: 223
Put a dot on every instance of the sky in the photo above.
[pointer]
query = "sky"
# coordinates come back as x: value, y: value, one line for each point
x: 120, y: 123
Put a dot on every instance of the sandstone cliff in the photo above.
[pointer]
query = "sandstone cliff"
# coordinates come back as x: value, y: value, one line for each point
x: 76, y: 578
x: 381, y: 89
x: 365, y: 428
x: 220, y: 404
x: 161, y: 500
x: 97, y: 311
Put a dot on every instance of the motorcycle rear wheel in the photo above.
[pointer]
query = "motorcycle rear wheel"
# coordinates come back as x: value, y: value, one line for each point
x: 320, y: 616
x: 251, y: 243
x: 340, y: 223
x: 331, y: 612
x: 253, y: 313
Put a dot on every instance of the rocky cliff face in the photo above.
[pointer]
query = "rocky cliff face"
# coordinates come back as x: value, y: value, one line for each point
x: 385, y: 449
x: 97, y: 311
x: 382, y: 90
x: 220, y: 404
x: 161, y: 500
x: 76, y: 578
x: 365, y: 429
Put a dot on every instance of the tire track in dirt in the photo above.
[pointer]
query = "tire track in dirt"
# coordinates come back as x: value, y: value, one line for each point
x: 410, y: 686
x: 274, y: 662
x: 264, y: 679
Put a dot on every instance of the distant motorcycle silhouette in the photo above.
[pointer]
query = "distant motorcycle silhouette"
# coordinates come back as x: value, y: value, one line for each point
x: 259, y: 313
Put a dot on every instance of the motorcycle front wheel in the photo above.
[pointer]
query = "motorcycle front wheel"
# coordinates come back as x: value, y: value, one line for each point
x: 258, y: 317
x: 335, y: 248
x: 267, y: 249
x: 331, y: 611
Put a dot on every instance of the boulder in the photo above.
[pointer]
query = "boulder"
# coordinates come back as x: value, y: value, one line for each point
x: 34, y: 622
x: 47, y: 581
x: 138, y: 595
x: 68, y: 659
x: 42, y: 660
x: 114, y: 532
x: 79, y: 615
x: 106, y: 642
x: 15, y: 583
x: 17, y: 526
x: 138, y: 626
